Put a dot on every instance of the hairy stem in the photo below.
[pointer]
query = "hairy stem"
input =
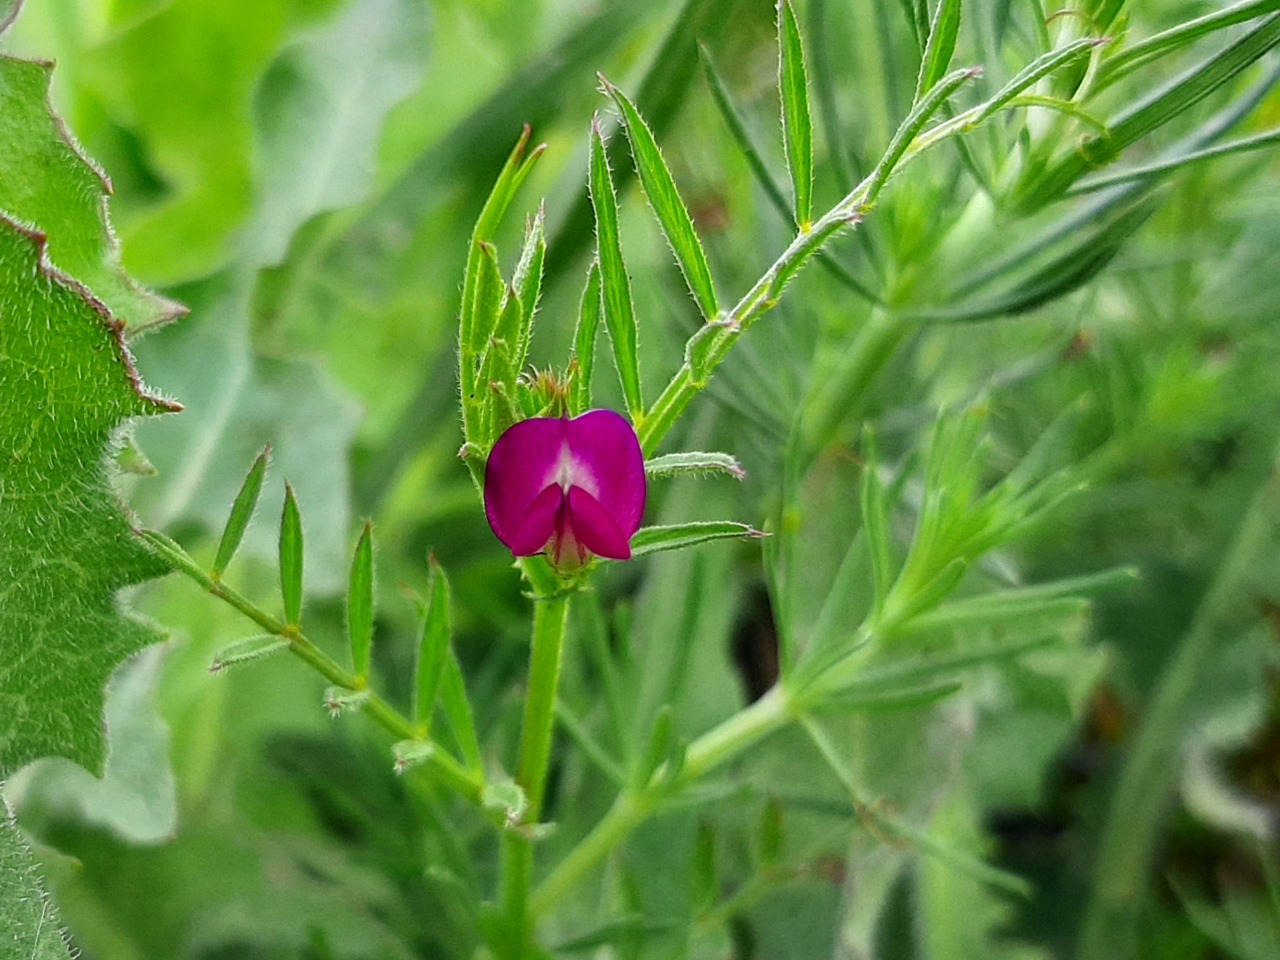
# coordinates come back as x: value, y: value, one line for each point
x: 550, y: 617
x: 443, y: 764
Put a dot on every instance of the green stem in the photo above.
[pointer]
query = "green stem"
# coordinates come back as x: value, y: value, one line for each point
x: 550, y: 617
x: 458, y: 777
x: 715, y: 747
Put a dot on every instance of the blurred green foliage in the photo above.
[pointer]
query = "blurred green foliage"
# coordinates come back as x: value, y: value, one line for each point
x: 305, y: 176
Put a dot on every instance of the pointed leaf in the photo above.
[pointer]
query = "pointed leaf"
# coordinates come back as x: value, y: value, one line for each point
x: 797, y: 125
x: 660, y: 189
x: 360, y: 604
x: 649, y: 540
x: 241, y: 513
x: 457, y: 710
x: 291, y: 558
x: 619, y: 311
x: 247, y: 650
x: 940, y: 47
x: 654, y: 539
x: 51, y: 186
x: 584, y: 342
x: 433, y: 650
x: 66, y: 546
x: 694, y: 462
x: 470, y: 342
x: 527, y: 282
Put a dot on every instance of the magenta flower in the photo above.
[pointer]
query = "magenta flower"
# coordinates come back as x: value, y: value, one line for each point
x: 573, y: 488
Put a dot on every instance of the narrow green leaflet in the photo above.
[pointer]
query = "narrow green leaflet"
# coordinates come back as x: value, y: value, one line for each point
x: 241, y: 513
x: 476, y: 288
x: 584, y: 342
x: 941, y: 45
x: 619, y: 311
x: 65, y: 201
x: 660, y: 189
x: 797, y: 125
x: 656, y: 539
x: 66, y: 546
x: 433, y: 650
x: 694, y: 462
x: 28, y: 921
x: 360, y: 603
x: 527, y: 281
x: 246, y: 651
x: 291, y: 545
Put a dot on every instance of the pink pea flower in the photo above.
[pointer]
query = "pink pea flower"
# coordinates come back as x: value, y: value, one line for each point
x: 573, y: 488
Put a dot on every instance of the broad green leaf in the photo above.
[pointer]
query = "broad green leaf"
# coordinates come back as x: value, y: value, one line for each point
x: 50, y: 185
x: 318, y: 113
x: 136, y: 797
x: 27, y: 915
x: 66, y: 546
x: 291, y: 546
x: 181, y: 80
x: 619, y: 311
x: 797, y: 125
x: 660, y: 189
x: 360, y: 603
x: 433, y: 650
x: 241, y: 512
x: 940, y: 47
x: 649, y: 540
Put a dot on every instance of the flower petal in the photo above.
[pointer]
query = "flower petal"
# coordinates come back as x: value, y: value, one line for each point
x: 539, y: 523
x: 521, y: 465
x: 594, y: 528
x: 609, y: 465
